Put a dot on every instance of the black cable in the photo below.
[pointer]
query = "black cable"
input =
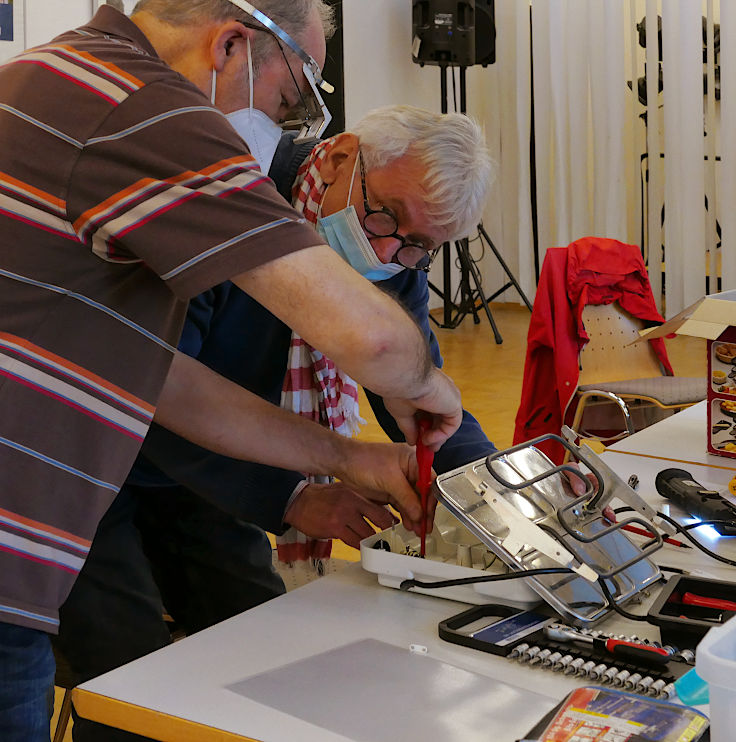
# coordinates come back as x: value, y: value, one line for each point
x: 613, y: 605
x: 686, y: 533
x: 690, y: 526
x: 684, y: 530
x: 406, y: 584
x: 454, y: 90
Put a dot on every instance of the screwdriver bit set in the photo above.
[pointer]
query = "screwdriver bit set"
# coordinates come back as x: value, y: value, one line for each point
x: 631, y: 663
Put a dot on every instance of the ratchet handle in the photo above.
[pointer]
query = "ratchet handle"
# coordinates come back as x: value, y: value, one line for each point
x: 637, y: 652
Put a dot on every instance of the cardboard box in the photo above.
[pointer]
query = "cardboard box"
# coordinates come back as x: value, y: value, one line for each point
x: 713, y: 317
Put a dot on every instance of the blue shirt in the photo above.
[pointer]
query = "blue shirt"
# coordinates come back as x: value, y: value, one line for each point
x: 238, y: 338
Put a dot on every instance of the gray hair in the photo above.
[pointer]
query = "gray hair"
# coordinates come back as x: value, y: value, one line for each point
x: 292, y: 15
x: 452, y: 148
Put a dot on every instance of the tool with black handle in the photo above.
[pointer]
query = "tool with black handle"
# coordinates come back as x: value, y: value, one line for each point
x: 646, y: 654
x: 679, y: 486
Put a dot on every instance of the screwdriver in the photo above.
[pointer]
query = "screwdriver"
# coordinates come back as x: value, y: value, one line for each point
x: 425, y: 457
x: 703, y: 602
x: 632, y: 651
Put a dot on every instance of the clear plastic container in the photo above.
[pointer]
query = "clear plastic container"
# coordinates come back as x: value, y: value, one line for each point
x: 716, y: 663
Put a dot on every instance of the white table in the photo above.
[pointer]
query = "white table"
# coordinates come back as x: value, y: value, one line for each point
x: 181, y: 692
x: 187, y: 680
x: 680, y: 439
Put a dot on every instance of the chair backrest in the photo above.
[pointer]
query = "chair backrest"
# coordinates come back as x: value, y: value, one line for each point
x: 609, y: 356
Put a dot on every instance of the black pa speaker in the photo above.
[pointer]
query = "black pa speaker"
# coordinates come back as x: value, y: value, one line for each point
x: 485, y: 32
x: 443, y: 32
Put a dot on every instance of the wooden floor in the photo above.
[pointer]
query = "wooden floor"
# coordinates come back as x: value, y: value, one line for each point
x: 490, y: 379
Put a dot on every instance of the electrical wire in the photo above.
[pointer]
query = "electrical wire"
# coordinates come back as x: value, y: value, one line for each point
x: 685, y: 531
x: 613, y: 605
x: 407, y: 584
x: 690, y: 526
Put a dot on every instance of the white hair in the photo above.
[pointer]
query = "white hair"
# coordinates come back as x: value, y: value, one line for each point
x: 291, y: 15
x: 459, y: 168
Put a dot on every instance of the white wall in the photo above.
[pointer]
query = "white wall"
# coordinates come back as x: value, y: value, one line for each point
x: 48, y: 18
x: 378, y: 66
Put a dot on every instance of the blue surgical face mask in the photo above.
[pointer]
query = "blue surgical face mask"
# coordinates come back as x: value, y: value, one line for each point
x: 344, y: 234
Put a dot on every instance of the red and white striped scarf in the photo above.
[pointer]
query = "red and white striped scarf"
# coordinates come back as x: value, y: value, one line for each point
x: 313, y: 386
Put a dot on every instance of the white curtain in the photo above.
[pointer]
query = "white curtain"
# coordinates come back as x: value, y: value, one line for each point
x: 607, y: 163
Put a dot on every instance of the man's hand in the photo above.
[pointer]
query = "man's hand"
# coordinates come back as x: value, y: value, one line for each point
x: 337, y: 511
x: 441, y: 402
x: 384, y: 473
x: 578, y: 487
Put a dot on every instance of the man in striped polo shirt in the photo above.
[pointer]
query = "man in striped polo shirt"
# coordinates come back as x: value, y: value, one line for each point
x: 123, y: 193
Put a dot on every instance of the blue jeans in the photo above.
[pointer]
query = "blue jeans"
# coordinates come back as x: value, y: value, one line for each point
x: 26, y: 684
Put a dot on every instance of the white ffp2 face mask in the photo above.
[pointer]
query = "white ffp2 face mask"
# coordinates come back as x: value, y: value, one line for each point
x: 260, y: 133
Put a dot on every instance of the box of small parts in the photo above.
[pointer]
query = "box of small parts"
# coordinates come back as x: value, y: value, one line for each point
x: 713, y: 318
x: 452, y: 552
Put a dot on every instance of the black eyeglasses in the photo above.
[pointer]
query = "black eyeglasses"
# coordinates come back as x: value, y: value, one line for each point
x: 383, y: 223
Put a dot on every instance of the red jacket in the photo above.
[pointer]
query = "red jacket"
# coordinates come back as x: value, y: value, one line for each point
x: 592, y: 270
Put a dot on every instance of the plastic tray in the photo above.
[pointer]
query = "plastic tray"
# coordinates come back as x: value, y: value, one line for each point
x: 447, y: 539
x: 684, y: 625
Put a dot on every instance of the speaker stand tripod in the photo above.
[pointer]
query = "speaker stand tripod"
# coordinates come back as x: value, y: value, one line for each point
x: 469, y: 296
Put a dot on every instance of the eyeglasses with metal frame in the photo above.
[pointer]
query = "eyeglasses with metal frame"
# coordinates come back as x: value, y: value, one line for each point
x: 313, y: 116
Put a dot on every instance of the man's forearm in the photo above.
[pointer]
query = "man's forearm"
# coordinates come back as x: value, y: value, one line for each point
x: 207, y: 409
x: 365, y: 332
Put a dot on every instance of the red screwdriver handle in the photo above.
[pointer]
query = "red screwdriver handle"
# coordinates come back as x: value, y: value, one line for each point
x: 425, y: 457
x: 703, y: 602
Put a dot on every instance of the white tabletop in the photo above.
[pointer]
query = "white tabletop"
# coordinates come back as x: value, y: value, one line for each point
x: 193, y: 679
x: 190, y: 678
x: 680, y: 438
